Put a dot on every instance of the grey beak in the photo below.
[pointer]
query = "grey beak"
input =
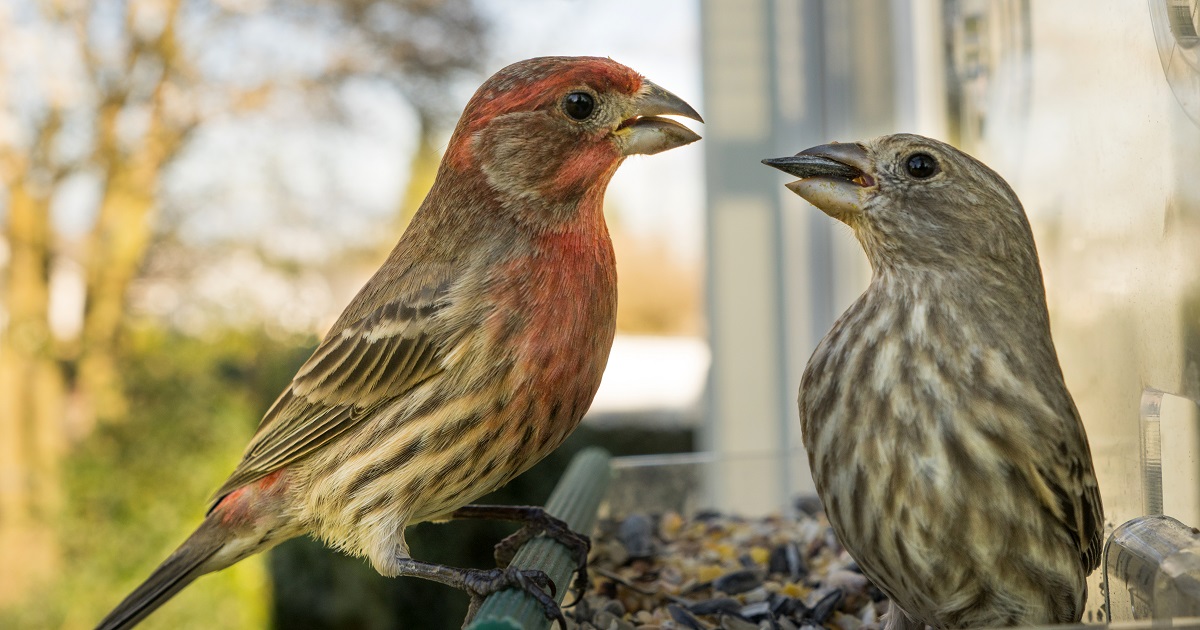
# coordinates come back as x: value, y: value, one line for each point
x: 839, y: 160
x: 655, y: 101
x: 646, y: 133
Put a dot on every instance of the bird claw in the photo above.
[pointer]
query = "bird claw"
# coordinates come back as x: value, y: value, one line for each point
x: 536, y: 521
x: 539, y: 522
x: 481, y: 583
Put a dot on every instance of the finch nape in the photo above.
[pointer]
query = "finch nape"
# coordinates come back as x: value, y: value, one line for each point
x: 945, y: 447
x: 470, y: 354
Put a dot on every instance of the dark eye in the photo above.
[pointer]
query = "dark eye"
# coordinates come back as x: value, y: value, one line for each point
x: 579, y: 105
x: 921, y: 165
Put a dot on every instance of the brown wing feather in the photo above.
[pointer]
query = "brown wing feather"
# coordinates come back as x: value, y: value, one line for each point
x: 1092, y: 514
x: 1076, y: 504
x: 1088, y: 516
x: 1072, y: 482
x: 348, y: 376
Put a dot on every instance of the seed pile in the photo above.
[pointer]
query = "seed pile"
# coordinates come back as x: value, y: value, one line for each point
x: 715, y: 571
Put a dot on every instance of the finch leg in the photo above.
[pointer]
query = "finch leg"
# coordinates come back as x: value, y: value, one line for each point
x: 536, y: 521
x: 479, y: 583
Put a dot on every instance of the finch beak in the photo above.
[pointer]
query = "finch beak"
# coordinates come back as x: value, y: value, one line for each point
x: 644, y: 132
x: 833, y: 177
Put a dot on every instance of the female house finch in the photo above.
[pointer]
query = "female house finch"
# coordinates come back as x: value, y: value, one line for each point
x: 948, y: 453
x: 473, y: 351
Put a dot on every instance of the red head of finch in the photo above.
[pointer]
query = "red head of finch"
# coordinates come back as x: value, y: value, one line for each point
x: 948, y: 453
x: 471, y: 353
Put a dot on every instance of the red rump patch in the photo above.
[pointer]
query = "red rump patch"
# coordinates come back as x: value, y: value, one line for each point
x: 237, y: 506
x: 269, y: 482
x: 535, y: 84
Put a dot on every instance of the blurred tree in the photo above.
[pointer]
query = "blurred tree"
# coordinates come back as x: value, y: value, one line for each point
x: 97, y: 100
x: 423, y: 42
x: 137, y: 486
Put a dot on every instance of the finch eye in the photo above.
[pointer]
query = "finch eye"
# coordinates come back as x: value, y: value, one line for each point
x: 579, y: 105
x: 921, y: 165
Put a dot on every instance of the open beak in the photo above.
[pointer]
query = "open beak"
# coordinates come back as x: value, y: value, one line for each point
x: 836, y: 177
x: 645, y: 133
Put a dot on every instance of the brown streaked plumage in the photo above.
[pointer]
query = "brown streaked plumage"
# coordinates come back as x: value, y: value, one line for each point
x: 949, y: 455
x: 473, y: 351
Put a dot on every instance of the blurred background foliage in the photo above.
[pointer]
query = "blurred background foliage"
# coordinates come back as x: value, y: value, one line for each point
x: 140, y: 482
x: 182, y: 212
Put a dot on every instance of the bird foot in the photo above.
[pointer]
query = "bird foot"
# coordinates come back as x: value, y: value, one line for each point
x: 536, y: 522
x: 479, y: 583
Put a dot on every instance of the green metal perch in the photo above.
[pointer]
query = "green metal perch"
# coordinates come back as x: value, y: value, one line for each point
x: 575, y: 500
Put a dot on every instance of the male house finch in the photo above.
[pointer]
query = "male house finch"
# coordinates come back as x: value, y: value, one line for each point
x: 470, y: 354
x: 945, y: 447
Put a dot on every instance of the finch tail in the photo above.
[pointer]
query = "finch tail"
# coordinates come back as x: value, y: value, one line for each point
x: 187, y: 563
